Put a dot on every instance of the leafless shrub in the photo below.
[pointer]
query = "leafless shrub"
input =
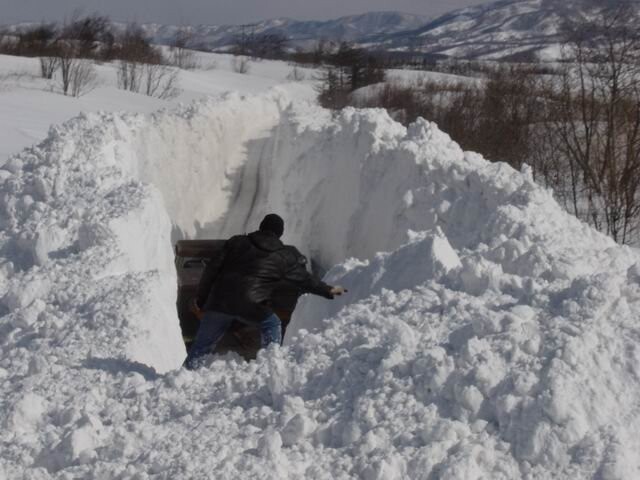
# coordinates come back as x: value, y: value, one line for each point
x: 129, y: 75
x: 48, y: 66
x: 152, y: 79
x: 82, y: 77
x: 240, y: 64
x: 296, y: 74
x: 595, y: 117
x: 67, y: 55
x: 179, y: 54
x: 133, y: 46
x: 91, y: 34
x: 142, y: 69
x: 37, y: 41
x: 483, y: 69
x: 160, y: 81
x: 402, y: 102
x: 72, y: 51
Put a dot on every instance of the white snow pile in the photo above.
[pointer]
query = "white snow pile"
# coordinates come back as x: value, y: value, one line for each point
x: 498, y: 338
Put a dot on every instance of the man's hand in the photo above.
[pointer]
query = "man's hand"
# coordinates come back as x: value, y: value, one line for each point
x: 193, y: 306
x: 337, y: 291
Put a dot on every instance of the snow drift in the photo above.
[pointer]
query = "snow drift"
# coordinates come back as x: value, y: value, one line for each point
x: 497, y: 338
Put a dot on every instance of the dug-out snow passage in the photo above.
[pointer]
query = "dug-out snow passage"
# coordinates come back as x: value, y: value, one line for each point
x: 498, y: 338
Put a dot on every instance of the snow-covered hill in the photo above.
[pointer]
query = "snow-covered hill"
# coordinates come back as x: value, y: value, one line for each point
x: 300, y: 33
x: 497, y: 338
x: 501, y: 29
x: 29, y: 104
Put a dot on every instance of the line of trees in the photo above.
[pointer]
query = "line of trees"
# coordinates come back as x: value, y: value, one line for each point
x: 268, y: 45
x: 69, y: 53
x: 595, y: 118
x: 577, y: 124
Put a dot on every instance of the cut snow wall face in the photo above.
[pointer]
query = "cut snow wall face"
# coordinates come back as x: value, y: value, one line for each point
x: 88, y: 200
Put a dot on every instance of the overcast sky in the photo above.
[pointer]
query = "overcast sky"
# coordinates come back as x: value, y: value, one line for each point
x: 216, y: 11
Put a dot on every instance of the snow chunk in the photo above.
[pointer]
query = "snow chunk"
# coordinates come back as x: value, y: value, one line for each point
x: 270, y: 445
x: 27, y: 414
x: 427, y: 256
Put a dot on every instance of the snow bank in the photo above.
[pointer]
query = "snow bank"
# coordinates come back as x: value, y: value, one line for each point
x: 497, y: 338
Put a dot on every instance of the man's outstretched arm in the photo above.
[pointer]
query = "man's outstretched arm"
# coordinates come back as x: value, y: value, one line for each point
x: 310, y: 283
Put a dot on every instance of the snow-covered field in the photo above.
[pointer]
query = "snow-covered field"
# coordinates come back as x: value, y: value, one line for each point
x: 29, y: 104
x: 497, y: 338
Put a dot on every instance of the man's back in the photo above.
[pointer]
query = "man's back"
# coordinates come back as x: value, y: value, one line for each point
x: 244, y: 277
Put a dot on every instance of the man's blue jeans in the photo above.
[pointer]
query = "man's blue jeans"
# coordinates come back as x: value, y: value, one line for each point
x: 214, y: 325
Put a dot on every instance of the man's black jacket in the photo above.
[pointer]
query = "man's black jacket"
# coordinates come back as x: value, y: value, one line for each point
x: 242, y: 278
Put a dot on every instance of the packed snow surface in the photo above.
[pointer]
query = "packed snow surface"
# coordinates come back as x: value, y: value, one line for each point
x: 496, y: 338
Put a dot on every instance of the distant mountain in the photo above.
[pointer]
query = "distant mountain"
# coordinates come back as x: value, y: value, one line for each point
x: 300, y: 33
x: 516, y: 29
x: 502, y: 29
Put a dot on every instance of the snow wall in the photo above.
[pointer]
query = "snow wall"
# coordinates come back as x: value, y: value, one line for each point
x: 498, y: 338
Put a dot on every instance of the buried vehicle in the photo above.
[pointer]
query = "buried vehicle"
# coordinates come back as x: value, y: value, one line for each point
x: 191, y: 257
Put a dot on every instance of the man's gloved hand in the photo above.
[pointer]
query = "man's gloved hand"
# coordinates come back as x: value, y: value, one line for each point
x: 337, y: 291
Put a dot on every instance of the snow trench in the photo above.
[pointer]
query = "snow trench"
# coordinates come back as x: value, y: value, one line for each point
x: 497, y: 337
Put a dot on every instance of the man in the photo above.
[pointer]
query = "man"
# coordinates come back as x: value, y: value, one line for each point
x: 240, y: 281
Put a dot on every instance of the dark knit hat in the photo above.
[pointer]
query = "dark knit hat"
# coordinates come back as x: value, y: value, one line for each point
x: 272, y: 223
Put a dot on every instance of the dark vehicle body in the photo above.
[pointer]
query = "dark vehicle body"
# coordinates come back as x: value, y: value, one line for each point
x: 191, y: 257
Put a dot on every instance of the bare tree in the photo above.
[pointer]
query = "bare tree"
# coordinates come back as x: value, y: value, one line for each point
x: 160, y: 81
x: 152, y: 79
x: 142, y: 68
x: 180, y: 55
x: 129, y: 75
x: 597, y: 119
x: 48, y: 65
x: 89, y: 33
x: 38, y: 41
x: 75, y: 43
x: 67, y: 55
x: 82, y: 76
x: 132, y: 49
x: 240, y: 64
x: 296, y: 74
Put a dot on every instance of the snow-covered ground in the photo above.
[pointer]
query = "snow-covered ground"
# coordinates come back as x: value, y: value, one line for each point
x: 29, y: 105
x: 497, y: 338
